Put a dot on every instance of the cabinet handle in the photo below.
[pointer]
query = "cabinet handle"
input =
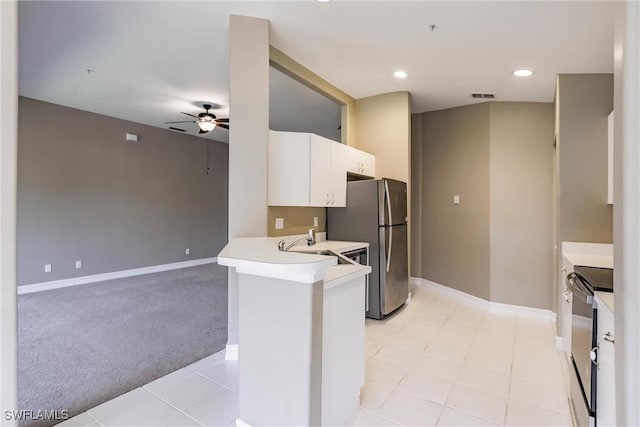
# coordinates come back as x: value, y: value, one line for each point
x: 608, y: 337
x: 333, y: 199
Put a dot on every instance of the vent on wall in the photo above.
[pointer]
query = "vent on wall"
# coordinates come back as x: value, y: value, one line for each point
x: 483, y: 95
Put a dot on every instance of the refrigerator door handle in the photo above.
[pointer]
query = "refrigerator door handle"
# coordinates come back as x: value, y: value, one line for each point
x: 388, y: 201
x: 390, y: 246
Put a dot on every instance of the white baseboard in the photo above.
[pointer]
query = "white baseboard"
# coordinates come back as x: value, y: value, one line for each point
x: 494, y: 307
x: 75, y: 281
x: 231, y: 352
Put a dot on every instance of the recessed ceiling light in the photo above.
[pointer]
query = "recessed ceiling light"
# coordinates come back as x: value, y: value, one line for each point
x: 522, y: 73
x: 400, y: 74
x: 324, y: 1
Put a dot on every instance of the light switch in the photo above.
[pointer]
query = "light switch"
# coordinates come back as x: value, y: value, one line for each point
x: 187, y: 251
x: 279, y: 223
x: 315, y: 221
x: 47, y: 268
x: 456, y: 199
x: 78, y: 264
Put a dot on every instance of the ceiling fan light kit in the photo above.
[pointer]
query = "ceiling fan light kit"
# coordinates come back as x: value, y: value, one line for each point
x: 206, y: 121
x: 206, y: 125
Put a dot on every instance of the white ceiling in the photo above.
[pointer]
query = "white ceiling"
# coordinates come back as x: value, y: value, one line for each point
x: 152, y: 60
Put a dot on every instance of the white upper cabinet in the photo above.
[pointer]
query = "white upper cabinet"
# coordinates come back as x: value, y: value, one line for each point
x: 289, y: 178
x: 610, y: 159
x: 339, y: 153
x: 319, y: 172
x: 309, y: 170
x: 359, y: 162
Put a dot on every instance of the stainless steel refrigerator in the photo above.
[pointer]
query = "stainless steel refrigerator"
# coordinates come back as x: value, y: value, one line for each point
x: 376, y: 212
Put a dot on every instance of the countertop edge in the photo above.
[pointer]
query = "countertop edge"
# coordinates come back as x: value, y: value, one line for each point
x: 607, y: 299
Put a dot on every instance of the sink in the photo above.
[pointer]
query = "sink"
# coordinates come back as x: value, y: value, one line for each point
x: 341, y: 259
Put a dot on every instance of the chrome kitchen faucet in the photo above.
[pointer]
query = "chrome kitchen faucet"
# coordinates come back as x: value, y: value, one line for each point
x: 310, y: 238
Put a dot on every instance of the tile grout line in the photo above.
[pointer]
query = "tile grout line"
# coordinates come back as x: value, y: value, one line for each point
x: 395, y: 387
x: 225, y: 386
x: 473, y: 388
x: 513, y: 356
x: 379, y: 415
x: 94, y: 418
x: 112, y: 412
x: 174, y: 407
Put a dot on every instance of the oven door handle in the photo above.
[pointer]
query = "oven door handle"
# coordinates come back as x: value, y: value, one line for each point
x: 576, y: 286
x: 593, y: 355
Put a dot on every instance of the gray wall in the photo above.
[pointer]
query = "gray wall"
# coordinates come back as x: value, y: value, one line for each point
x: 497, y: 243
x: 415, y: 223
x: 584, y: 101
x: 455, y: 160
x: 84, y: 193
x: 521, y: 203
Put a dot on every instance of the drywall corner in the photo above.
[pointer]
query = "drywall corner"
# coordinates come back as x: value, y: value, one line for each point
x: 389, y: 138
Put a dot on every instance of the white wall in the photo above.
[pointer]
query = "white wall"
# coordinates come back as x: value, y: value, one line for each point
x: 627, y: 211
x: 248, y: 139
x: 8, y: 172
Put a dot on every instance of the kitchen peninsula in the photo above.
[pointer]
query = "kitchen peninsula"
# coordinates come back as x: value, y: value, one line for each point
x: 301, y: 332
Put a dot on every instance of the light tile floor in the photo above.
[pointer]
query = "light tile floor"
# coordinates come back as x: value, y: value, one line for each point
x: 440, y: 361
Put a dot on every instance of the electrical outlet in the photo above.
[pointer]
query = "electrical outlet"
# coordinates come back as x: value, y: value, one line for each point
x: 47, y: 268
x: 315, y: 221
x: 279, y: 223
x: 78, y: 264
x: 456, y: 199
x: 187, y: 251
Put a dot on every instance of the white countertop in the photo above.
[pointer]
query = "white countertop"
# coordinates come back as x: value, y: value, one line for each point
x: 606, y: 298
x: 588, y: 254
x: 330, y: 245
x: 598, y: 255
x: 259, y: 256
x: 340, y: 273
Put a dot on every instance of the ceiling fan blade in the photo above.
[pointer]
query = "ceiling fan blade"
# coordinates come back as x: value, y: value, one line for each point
x: 178, y: 129
x: 182, y: 112
x: 203, y: 131
x: 223, y: 126
x: 222, y: 120
x: 188, y: 121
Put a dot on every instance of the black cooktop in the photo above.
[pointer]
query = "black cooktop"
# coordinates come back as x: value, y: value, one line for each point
x: 598, y: 279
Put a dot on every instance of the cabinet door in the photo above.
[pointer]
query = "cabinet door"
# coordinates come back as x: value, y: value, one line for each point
x: 606, y: 391
x: 359, y: 162
x: 288, y: 169
x: 368, y: 162
x: 320, y: 172
x: 350, y: 159
x: 339, y: 158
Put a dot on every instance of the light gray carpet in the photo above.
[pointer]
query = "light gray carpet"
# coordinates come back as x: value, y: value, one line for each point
x: 84, y: 345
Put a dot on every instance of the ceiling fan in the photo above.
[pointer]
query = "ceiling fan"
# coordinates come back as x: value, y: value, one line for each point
x: 206, y: 121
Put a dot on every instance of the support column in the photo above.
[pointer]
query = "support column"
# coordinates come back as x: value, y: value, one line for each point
x: 8, y: 173
x: 248, y: 142
x: 626, y: 211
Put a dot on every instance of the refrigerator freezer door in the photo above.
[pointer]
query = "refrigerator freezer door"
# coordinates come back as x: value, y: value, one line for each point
x: 394, y: 268
x: 393, y: 195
